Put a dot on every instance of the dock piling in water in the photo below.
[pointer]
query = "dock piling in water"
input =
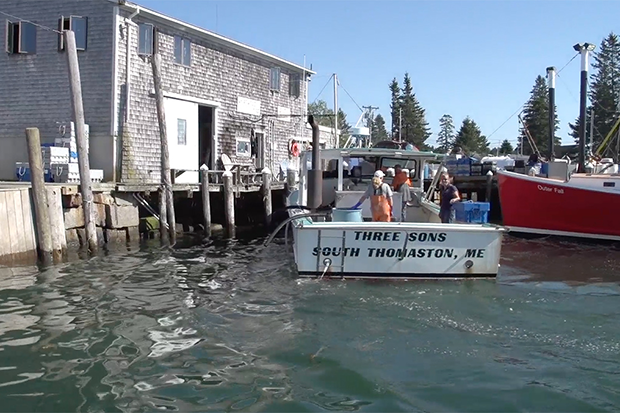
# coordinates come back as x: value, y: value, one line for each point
x: 267, y: 195
x: 39, y: 195
x: 229, y: 203
x: 206, y: 200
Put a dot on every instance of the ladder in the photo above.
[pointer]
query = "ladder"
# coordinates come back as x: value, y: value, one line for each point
x: 327, y: 263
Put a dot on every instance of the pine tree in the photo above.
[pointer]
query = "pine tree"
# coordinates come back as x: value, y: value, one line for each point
x: 506, y: 148
x: 604, y: 91
x: 395, y: 106
x: 445, y: 137
x: 324, y: 116
x: 415, y: 128
x: 344, y: 127
x: 536, y: 118
x: 470, y: 138
x: 378, y: 131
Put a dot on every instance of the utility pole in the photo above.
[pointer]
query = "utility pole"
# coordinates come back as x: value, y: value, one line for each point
x: 400, y: 125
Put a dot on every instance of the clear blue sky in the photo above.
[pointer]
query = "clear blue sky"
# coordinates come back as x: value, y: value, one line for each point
x: 465, y: 58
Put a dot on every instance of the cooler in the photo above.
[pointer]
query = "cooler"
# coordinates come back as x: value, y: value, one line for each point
x: 472, y: 212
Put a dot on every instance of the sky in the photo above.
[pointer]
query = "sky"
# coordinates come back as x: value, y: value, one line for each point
x: 465, y: 58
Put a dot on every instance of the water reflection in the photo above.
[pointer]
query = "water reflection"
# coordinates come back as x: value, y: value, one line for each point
x: 230, y: 327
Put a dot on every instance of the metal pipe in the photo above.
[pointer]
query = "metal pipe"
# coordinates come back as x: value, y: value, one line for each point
x: 128, y: 23
x: 584, y: 49
x: 551, y: 79
x: 336, y: 140
x: 315, y: 177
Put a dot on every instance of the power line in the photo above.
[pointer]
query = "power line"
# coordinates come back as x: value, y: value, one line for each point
x: 28, y: 21
x: 326, y: 83
x: 521, y: 107
x: 358, y: 106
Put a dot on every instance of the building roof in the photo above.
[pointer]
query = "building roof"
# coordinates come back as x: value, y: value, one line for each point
x: 211, y: 36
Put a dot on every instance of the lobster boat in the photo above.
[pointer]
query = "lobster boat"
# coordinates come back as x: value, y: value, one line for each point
x: 332, y: 240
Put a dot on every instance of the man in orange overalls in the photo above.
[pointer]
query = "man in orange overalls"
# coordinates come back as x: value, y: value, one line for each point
x: 380, y: 195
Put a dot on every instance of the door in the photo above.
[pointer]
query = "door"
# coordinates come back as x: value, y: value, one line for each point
x: 182, y: 129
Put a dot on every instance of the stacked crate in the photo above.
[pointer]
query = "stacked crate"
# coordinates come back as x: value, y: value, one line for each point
x: 68, y: 172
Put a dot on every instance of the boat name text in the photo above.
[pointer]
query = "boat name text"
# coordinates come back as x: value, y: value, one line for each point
x: 549, y: 189
x: 396, y: 252
x: 396, y: 236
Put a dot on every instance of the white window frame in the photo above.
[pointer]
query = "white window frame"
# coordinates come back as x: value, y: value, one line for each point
x: 179, y: 141
x: 16, y: 47
x: 66, y: 23
x: 275, y: 79
x: 181, y: 43
x: 142, y: 42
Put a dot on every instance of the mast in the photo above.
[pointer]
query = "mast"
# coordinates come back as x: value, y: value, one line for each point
x: 551, y: 80
x: 336, y: 143
x: 584, y: 49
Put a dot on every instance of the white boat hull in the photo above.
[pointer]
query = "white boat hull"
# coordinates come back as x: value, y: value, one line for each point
x: 396, y: 250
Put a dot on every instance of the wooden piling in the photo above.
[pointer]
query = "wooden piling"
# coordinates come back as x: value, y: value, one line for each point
x: 39, y: 196
x: 75, y: 87
x: 206, y: 200
x: 163, y: 218
x: 57, y: 223
x: 266, y: 189
x: 165, y: 154
x: 229, y: 203
x: 489, y: 187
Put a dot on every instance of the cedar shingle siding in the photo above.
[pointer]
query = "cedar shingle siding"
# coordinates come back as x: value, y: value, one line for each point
x: 35, y: 90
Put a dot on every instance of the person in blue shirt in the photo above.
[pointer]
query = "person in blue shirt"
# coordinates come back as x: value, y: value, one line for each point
x: 449, y: 194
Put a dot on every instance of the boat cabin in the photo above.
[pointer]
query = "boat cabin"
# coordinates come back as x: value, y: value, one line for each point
x: 349, y: 171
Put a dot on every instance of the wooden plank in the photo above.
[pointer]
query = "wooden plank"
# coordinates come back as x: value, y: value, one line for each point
x: 31, y: 237
x: 5, y: 239
x: 19, y: 221
x: 10, y: 206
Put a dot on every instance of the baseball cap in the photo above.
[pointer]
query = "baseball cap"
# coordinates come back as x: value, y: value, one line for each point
x: 379, y: 174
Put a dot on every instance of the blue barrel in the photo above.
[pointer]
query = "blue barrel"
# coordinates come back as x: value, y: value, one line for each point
x: 347, y: 215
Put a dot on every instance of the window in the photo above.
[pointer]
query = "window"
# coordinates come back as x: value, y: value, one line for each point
x: 182, y: 51
x: 146, y: 39
x: 294, y: 85
x: 243, y: 147
x: 21, y: 37
x: 274, y: 79
x: 181, y: 132
x: 79, y: 25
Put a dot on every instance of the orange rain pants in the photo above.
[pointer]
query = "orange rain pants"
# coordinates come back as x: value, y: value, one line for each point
x: 381, y: 210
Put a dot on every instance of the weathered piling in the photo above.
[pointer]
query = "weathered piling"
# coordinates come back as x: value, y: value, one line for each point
x: 266, y: 189
x: 163, y: 218
x: 39, y: 196
x: 206, y: 200
x: 165, y: 154
x: 75, y: 87
x: 229, y: 203
x: 57, y: 223
x: 489, y: 187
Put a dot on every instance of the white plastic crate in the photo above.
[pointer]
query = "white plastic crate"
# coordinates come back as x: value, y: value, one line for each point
x: 54, y: 154
x: 70, y: 173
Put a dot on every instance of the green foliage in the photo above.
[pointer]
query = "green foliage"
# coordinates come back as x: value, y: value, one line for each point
x: 506, y: 148
x: 470, y: 139
x: 407, y: 112
x: 378, y: 132
x: 446, y: 135
x: 325, y: 117
x: 536, y: 118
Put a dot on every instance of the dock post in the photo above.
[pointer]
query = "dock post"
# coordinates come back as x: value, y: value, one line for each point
x: 75, y: 87
x: 489, y: 186
x: 39, y: 196
x: 229, y: 203
x: 267, y: 196
x: 57, y: 223
x: 163, y: 219
x: 206, y: 200
x: 165, y: 154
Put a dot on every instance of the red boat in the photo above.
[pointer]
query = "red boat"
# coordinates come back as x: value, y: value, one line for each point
x: 584, y: 206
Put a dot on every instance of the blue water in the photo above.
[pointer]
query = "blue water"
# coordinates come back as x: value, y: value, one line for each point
x: 229, y: 327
